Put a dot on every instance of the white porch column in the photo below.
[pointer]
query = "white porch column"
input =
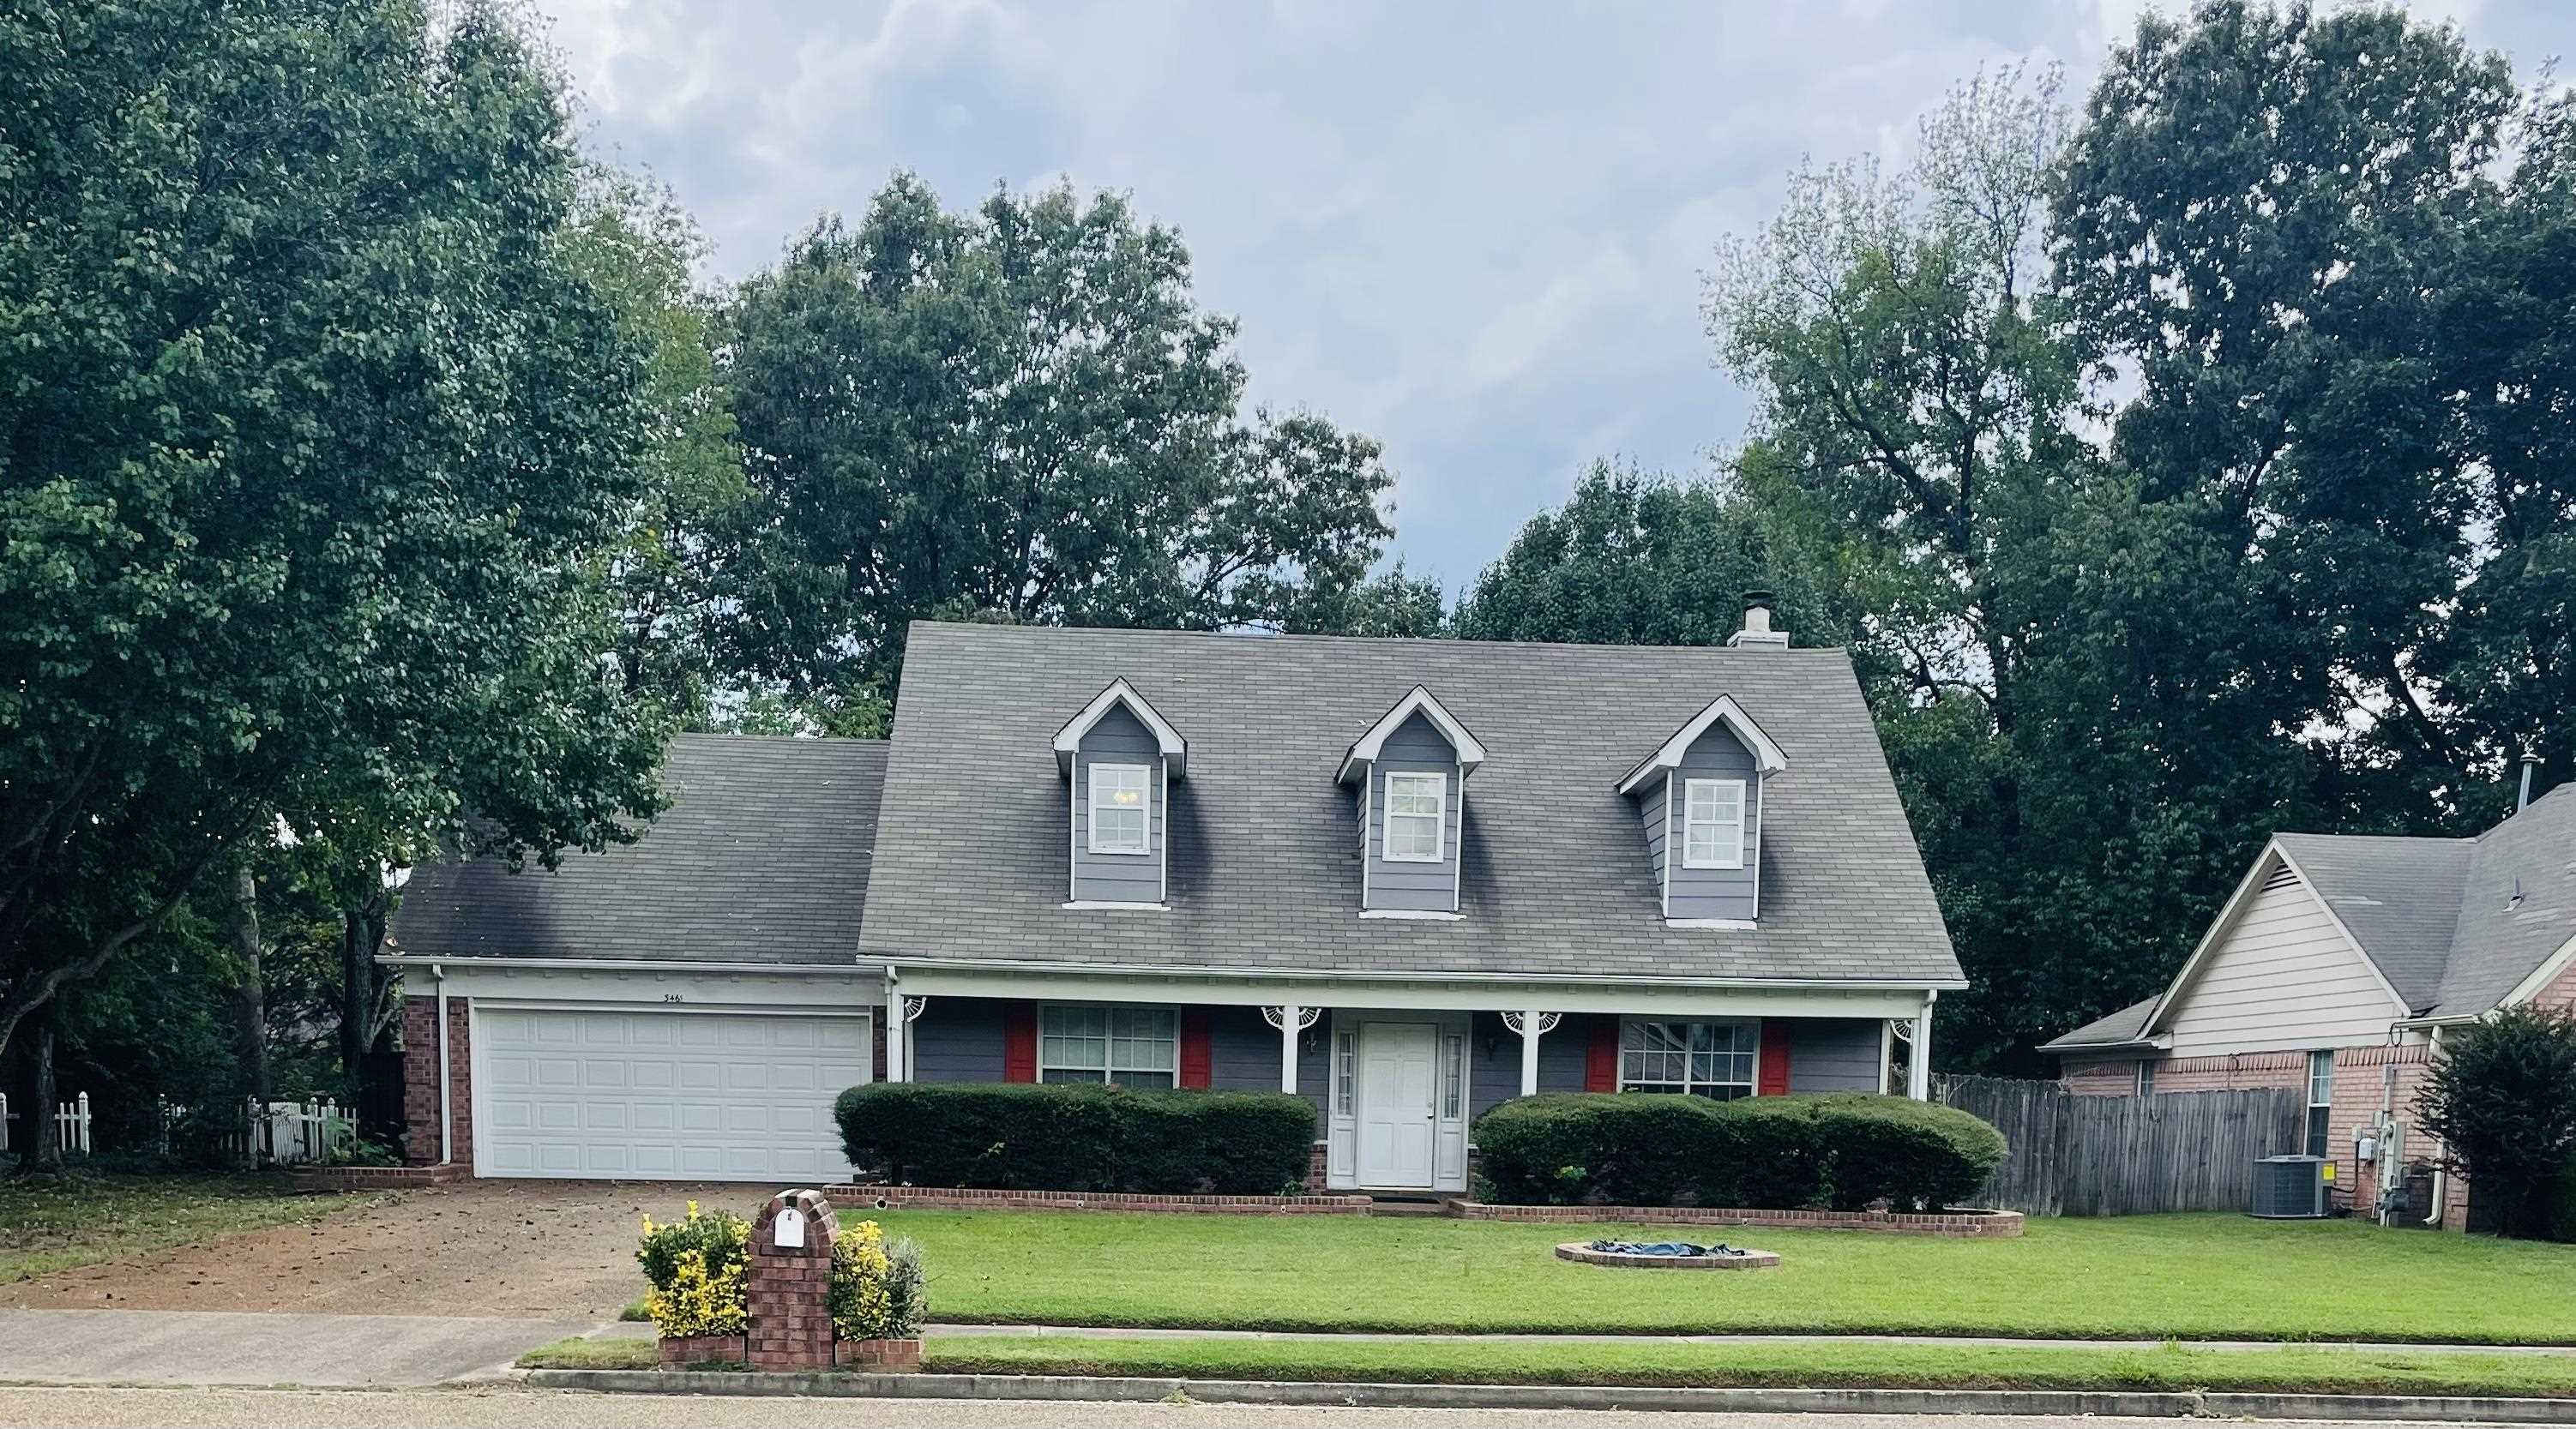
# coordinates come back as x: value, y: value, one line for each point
x: 1918, y: 1066
x: 1291, y: 1020
x: 1533, y: 1023
x: 896, y: 1032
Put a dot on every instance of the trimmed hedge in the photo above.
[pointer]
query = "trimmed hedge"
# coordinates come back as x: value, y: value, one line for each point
x: 1840, y: 1150
x: 1078, y: 1137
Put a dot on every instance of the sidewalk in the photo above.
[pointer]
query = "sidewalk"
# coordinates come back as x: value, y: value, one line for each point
x: 2249, y: 1346
x: 211, y: 1347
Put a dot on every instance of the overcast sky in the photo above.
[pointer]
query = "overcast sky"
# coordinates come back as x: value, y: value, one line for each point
x: 1472, y: 230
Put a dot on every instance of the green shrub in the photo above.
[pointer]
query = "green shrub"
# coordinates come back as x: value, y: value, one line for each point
x: 1844, y: 1150
x: 1079, y: 1137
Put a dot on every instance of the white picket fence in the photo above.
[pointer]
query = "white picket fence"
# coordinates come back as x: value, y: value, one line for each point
x: 71, y: 1123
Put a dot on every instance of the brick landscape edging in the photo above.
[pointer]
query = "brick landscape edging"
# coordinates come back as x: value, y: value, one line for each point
x: 960, y: 1198
x: 1996, y: 1225
x: 376, y: 1178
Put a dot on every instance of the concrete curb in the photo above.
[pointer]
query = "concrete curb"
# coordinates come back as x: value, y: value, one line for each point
x: 2050, y: 1402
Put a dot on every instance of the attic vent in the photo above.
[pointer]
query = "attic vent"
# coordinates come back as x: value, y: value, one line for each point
x: 2281, y: 878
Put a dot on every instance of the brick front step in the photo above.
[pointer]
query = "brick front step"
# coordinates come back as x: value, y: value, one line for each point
x: 376, y: 1178
x: 1962, y: 1223
x: 956, y: 1198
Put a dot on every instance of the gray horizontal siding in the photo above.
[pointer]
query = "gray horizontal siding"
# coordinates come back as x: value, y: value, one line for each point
x: 958, y: 1039
x: 1119, y: 738
x: 1494, y: 1060
x: 1415, y: 747
x: 1834, y: 1054
x: 1651, y: 811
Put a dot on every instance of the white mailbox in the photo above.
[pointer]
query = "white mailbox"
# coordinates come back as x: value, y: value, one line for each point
x: 788, y: 1231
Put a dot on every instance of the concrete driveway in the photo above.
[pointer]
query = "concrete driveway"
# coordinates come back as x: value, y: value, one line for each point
x: 195, y: 1347
x: 545, y: 1250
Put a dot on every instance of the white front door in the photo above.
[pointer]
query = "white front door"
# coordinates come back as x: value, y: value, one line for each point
x: 1396, y: 1112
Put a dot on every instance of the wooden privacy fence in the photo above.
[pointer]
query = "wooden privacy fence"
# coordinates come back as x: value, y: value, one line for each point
x: 2122, y: 1156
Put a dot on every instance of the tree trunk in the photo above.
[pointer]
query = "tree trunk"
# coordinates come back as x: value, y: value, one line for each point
x: 250, y: 1000
x: 362, y: 932
x: 44, y: 1138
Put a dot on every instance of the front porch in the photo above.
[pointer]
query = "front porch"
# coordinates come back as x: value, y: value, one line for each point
x: 1399, y: 1070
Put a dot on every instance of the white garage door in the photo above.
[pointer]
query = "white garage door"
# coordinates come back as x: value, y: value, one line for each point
x: 662, y: 1095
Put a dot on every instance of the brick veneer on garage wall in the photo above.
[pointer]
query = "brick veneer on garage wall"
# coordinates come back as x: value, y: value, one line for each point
x: 420, y: 1080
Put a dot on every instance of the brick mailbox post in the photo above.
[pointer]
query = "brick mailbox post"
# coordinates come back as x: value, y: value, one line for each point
x: 787, y: 1288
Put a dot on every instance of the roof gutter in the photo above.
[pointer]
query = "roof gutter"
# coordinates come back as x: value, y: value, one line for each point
x: 627, y: 965
x: 1023, y: 965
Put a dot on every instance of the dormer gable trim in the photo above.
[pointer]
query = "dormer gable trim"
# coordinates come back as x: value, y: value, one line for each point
x: 1364, y: 751
x: 1176, y: 750
x: 1767, y: 757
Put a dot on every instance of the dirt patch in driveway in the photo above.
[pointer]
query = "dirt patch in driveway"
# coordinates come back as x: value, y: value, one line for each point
x: 547, y: 1249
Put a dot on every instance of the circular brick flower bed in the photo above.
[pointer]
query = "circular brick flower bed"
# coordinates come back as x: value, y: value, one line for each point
x: 1576, y: 1250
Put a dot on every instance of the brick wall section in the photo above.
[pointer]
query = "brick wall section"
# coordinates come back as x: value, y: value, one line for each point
x: 1989, y: 1225
x: 2560, y: 993
x: 2189, y: 1074
x: 957, y: 1198
x: 420, y: 1080
x: 787, y: 1290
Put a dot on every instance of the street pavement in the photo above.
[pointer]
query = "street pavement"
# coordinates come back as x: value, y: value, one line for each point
x: 513, y: 1407
x: 199, y: 1347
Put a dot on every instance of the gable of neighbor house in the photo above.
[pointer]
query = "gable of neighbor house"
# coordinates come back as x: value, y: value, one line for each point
x: 2278, y: 975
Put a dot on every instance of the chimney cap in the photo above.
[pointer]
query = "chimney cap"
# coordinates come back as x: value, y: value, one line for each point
x: 1760, y: 597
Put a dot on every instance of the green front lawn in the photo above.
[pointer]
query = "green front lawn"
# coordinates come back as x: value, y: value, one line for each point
x: 2310, y: 1370
x: 49, y: 1224
x: 2152, y: 1277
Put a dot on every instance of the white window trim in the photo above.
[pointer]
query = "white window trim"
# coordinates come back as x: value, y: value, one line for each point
x: 1112, y: 1069
x: 1439, y: 819
x: 1732, y: 856
x: 2146, y: 1077
x: 1091, y: 810
x: 1752, y: 1086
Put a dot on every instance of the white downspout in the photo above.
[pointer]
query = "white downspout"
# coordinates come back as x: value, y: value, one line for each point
x: 446, y: 1091
x: 2441, y: 1178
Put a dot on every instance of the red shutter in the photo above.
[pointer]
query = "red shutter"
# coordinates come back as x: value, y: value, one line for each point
x: 1601, y: 1054
x: 1772, y: 1077
x: 1020, y: 1042
x: 1198, y: 1051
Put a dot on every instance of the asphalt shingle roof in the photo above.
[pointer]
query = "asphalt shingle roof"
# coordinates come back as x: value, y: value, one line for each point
x: 762, y: 857
x: 971, y: 845
x: 2121, y: 1026
x: 2399, y: 896
x: 2519, y: 905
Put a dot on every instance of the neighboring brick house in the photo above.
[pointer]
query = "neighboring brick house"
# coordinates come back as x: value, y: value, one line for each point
x: 1407, y: 879
x: 2337, y: 967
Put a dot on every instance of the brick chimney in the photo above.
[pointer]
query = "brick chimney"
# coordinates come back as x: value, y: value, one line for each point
x: 1757, y: 632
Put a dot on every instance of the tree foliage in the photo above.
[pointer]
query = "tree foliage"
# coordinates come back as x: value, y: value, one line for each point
x: 1015, y: 410
x: 314, y: 445
x: 2501, y: 1095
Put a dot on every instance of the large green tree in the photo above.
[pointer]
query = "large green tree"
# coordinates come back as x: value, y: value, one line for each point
x: 315, y: 447
x: 1016, y: 410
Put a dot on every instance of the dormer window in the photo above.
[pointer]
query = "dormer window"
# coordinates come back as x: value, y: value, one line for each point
x: 1417, y: 810
x: 1122, y: 811
x: 1713, y: 823
x: 1410, y: 770
x: 1119, y: 758
x: 1699, y: 801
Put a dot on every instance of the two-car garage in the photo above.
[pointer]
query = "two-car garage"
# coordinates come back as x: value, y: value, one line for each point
x: 600, y: 1092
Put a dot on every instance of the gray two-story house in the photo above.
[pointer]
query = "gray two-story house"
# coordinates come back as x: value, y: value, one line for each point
x: 1407, y: 879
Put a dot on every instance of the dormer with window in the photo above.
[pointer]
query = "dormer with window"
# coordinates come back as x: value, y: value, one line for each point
x: 1119, y: 758
x: 1699, y: 801
x: 1409, y: 773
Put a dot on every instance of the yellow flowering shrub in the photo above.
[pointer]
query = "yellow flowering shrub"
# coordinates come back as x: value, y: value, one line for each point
x: 876, y: 1286
x: 696, y: 1269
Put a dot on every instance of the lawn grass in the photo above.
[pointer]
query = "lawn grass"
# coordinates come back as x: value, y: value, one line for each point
x: 2297, y: 1369
x: 2315, y: 1370
x: 2139, y: 1277
x: 583, y: 1352
x: 60, y: 1223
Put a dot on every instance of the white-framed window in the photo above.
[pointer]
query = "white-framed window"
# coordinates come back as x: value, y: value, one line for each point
x: 2320, y: 1100
x: 1346, y: 1070
x: 1105, y: 1042
x: 1122, y: 808
x: 2146, y: 1079
x: 1712, y: 823
x: 1417, y: 815
x: 1453, y: 1077
x: 1707, y: 1059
